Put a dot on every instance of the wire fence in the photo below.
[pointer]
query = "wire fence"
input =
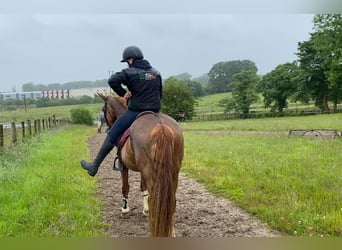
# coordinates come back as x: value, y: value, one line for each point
x: 11, y: 133
x: 254, y: 114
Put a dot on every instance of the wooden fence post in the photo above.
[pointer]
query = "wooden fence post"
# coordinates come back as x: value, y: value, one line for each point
x: 14, y: 133
x: 39, y: 125
x: 23, y: 129
x: 35, y: 127
x: 29, y: 127
x: 27, y: 130
x: 1, y: 136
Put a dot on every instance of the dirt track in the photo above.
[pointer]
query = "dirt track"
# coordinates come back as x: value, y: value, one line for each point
x: 198, y: 213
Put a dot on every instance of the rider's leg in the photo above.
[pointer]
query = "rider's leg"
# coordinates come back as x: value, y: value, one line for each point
x: 113, y: 135
x: 93, y: 166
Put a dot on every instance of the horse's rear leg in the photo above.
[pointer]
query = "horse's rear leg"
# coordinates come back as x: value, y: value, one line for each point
x: 125, y: 190
x: 144, y: 190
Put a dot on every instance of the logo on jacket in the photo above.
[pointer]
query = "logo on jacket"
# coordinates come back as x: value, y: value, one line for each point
x: 147, y: 76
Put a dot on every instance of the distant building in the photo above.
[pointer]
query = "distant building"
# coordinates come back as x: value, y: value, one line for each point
x: 54, y: 94
x: 21, y: 95
x: 89, y: 91
x: 67, y: 93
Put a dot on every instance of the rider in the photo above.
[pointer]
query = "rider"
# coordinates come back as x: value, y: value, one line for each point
x: 144, y: 84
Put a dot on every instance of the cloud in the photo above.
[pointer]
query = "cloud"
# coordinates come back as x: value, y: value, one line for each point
x: 168, y: 6
x: 45, y: 48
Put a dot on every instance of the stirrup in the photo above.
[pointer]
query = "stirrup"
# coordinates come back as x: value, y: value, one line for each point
x: 120, y: 168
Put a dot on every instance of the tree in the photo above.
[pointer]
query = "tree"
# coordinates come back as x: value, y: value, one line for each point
x: 311, y: 61
x: 279, y: 85
x: 203, y: 79
x: 321, y: 58
x: 195, y: 87
x: 54, y: 86
x: 243, y: 92
x: 28, y: 87
x: 81, y: 116
x: 221, y: 74
x: 177, y: 99
x: 183, y: 76
x: 335, y: 78
x: 330, y: 29
x: 68, y: 85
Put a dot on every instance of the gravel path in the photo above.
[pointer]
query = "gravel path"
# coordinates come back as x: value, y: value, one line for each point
x: 198, y: 212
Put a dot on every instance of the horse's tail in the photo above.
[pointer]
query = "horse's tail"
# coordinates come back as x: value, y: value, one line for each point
x: 166, y: 159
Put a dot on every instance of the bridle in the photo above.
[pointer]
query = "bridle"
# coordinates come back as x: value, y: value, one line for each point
x: 104, y: 109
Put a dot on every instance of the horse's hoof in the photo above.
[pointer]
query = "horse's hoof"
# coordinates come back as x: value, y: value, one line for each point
x: 124, y: 215
x: 145, y: 212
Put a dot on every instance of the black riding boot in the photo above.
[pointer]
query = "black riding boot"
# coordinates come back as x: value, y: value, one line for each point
x: 93, y: 166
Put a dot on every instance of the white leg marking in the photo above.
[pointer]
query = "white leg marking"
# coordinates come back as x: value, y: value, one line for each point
x: 145, y: 202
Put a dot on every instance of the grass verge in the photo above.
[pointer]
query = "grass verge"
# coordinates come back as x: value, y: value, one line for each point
x: 43, y: 191
x: 294, y: 184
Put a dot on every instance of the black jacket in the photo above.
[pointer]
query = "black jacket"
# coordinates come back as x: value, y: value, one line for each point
x: 143, y: 81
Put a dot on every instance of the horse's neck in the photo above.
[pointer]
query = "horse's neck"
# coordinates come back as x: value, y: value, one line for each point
x: 119, y: 108
x: 120, y: 111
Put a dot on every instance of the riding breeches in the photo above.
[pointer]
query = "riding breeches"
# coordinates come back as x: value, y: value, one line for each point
x: 121, y: 124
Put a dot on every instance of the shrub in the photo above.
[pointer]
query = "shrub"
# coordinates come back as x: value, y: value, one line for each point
x: 81, y: 116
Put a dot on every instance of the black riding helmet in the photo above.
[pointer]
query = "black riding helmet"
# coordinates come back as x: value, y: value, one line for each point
x: 132, y: 52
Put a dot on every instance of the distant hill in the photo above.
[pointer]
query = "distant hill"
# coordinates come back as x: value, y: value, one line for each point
x: 203, y: 79
x: 27, y: 87
x: 68, y: 85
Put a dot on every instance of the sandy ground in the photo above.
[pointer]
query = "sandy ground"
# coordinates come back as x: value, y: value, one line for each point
x: 198, y: 212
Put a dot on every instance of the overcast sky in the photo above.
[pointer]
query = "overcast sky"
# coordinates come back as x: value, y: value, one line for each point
x: 58, y: 48
x: 58, y: 41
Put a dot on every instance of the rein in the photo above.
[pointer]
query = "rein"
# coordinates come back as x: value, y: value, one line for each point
x: 104, y: 109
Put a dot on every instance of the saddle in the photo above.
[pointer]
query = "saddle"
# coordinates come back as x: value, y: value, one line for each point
x: 118, y: 166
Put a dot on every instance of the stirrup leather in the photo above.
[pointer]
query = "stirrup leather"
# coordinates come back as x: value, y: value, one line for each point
x: 117, y: 162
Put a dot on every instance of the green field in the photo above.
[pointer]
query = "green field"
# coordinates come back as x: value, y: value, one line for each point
x: 42, y: 192
x: 278, y: 124
x: 294, y: 184
x: 207, y: 105
x: 33, y: 113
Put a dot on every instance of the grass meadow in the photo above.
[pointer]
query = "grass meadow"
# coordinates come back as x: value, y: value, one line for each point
x: 294, y: 184
x: 208, y: 105
x: 43, y: 191
x: 45, y: 112
x: 276, y: 124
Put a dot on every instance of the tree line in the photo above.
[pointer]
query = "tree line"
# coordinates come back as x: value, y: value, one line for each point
x: 69, y: 85
x: 316, y: 75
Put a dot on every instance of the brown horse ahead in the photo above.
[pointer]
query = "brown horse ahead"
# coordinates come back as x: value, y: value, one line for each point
x: 155, y: 148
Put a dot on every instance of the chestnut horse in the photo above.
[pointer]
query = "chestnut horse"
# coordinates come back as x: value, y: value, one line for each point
x: 155, y: 148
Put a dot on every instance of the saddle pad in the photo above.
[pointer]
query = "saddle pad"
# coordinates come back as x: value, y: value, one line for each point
x: 124, y: 138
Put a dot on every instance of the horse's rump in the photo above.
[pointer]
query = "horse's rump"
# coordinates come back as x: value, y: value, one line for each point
x: 157, y: 146
x: 138, y: 144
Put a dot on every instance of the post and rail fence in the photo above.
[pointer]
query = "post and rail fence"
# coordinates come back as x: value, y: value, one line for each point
x: 12, y: 133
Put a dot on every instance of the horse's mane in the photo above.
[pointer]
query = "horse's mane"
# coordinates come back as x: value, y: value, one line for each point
x: 114, y: 106
x: 120, y: 99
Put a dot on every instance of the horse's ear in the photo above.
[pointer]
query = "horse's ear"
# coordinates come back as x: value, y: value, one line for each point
x: 103, y: 97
